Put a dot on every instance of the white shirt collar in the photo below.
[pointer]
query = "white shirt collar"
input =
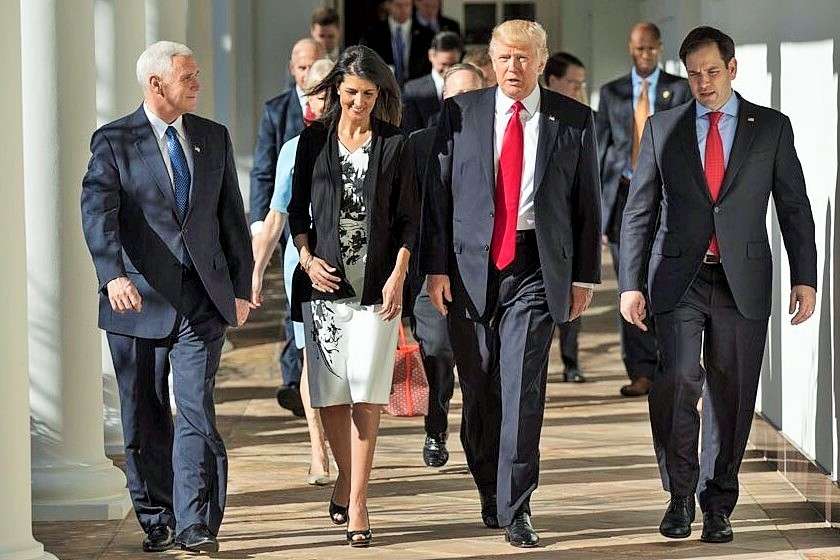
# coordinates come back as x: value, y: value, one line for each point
x: 438, y: 80
x: 404, y: 27
x: 159, y: 126
x: 531, y: 102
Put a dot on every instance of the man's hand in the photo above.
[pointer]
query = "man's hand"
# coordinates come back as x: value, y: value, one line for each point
x: 803, y: 302
x: 123, y: 295
x: 243, y: 308
x: 437, y: 286
x: 581, y: 298
x: 633, y: 308
x: 256, y: 289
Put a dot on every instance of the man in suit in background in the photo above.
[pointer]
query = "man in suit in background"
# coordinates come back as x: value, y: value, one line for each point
x: 325, y: 28
x: 511, y: 247
x: 696, y: 217
x: 623, y: 108
x: 565, y: 74
x: 423, y: 96
x: 480, y: 58
x: 428, y: 14
x: 282, y: 120
x: 431, y: 329
x: 165, y: 225
x: 402, y: 45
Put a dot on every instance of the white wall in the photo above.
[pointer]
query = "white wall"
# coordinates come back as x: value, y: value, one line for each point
x: 789, y: 54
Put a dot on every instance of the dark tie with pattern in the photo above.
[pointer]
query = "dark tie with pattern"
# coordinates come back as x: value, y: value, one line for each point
x: 399, y: 56
x: 180, y: 172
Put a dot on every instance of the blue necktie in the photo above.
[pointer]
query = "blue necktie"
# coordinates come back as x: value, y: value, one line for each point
x: 399, y: 55
x: 180, y: 171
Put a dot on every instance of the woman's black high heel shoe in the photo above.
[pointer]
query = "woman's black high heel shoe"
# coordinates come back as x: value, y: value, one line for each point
x: 338, y: 514
x: 366, y: 535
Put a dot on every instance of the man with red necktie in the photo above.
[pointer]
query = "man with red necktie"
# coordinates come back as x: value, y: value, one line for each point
x: 511, y: 246
x: 695, y: 223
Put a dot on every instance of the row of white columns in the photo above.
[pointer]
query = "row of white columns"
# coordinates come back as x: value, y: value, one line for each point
x: 58, y: 85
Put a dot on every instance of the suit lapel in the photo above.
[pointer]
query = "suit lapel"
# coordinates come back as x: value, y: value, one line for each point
x: 625, y: 93
x: 688, y: 142
x: 149, y: 150
x: 547, y: 138
x: 744, y: 136
x: 197, y: 140
x: 486, y: 135
x: 294, y: 118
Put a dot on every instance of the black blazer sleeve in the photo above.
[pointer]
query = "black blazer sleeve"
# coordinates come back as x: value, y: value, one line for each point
x: 640, y: 216
x: 265, y: 163
x: 233, y: 228
x: 101, y: 209
x: 405, y: 220
x: 794, y: 211
x: 436, y: 239
x: 299, y: 219
x: 586, y: 208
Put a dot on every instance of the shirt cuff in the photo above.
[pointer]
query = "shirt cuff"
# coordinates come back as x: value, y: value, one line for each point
x: 586, y: 285
x: 256, y: 227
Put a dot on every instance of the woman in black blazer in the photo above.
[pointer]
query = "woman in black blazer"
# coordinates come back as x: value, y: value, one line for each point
x: 353, y: 214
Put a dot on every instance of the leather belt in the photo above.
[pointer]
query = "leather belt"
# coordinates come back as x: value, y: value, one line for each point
x: 709, y: 258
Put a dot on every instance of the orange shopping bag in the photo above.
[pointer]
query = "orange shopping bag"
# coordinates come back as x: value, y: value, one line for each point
x: 409, y: 388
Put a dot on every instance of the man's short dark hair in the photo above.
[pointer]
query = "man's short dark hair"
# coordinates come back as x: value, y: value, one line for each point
x: 648, y: 26
x: 325, y: 16
x: 558, y: 64
x: 447, y: 41
x: 699, y: 37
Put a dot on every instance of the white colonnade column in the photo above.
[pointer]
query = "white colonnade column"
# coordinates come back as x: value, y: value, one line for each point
x: 120, y: 32
x: 16, y: 542
x: 71, y: 477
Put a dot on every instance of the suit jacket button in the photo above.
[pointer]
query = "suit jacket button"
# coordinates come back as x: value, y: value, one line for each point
x: 717, y: 209
x: 486, y: 248
x: 492, y: 214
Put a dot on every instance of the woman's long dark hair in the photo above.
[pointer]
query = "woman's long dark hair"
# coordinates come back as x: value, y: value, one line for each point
x: 362, y: 62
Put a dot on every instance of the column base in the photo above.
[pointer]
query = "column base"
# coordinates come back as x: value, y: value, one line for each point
x: 79, y: 493
x: 34, y: 552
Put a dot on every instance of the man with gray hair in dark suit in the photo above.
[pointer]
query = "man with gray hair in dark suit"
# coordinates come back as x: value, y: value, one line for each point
x: 165, y: 224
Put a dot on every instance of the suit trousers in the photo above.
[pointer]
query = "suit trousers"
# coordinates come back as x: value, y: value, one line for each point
x: 431, y: 329
x: 638, y: 347
x: 568, y: 335
x: 502, y: 365
x: 708, y: 321
x: 177, y: 473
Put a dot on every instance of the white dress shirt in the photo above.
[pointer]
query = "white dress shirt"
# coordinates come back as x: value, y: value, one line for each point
x: 438, y: 80
x: 531, y: 132
x: 301, y: 95
x: 405, y: 29
x: 159, y: 127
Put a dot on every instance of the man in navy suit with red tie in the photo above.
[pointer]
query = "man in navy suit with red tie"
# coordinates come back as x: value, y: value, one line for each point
x: 511, y: 247
x: 694, y: 231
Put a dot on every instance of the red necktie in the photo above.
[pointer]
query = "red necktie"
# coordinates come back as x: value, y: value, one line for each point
x: 715, y: 167
x: 308, y: 115
x: 508, y: 186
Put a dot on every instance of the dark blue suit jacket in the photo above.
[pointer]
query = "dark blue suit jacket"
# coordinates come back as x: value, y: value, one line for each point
x: 458, y: 225
x: 281, y: 121
x: 132, y: 227
x: 670, y: 216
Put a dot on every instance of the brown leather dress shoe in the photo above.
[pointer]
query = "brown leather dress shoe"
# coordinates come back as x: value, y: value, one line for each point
x: 638, y: 388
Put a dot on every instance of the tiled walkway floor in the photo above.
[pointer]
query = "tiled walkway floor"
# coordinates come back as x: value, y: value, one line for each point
x: 599, y: 494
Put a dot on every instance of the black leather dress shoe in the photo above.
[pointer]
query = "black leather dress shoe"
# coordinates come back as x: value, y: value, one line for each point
x: 197, y: 538
x: 435, y: 453
x: 160, y: 538
x: 676, y: 524
x: 288, y: 397
x: 520, y: 532
x: 573, y: 375
x: 716, y: 528
x: 489, y: 513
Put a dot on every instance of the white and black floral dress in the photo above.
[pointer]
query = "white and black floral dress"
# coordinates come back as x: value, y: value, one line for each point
x: 350, y: 349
